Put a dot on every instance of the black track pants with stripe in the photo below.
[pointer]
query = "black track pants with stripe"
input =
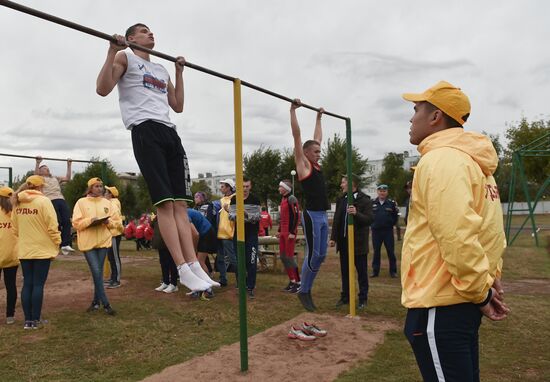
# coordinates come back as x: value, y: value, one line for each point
x: 445, y: 341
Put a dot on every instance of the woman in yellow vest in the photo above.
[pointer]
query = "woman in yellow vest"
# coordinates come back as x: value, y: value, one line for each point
x: 8, y: 253
x: 93, y: 217
x: 35, y: 225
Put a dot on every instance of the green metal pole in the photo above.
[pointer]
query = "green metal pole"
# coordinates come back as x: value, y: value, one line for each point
x: 240, y: 222
x: 351, y: 239
x: 10, y: 177
x: 528, y: 199
x: 511, y: 198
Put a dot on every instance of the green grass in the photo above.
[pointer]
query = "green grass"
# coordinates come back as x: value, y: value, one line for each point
x: 153, y: 331
x: 511, y: 350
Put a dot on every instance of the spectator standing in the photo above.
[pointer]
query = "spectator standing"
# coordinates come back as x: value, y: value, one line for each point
x: 385, y: 217
x: 361, y: 210
x: 226, y: 259
x: 452, y: 252
x: 252, y: 211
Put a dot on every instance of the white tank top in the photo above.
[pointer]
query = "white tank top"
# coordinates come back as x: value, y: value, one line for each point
x: 143, y: 92
x: 51, y: 188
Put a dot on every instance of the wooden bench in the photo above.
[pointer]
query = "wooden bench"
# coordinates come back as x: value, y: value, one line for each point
x: 268, y: 249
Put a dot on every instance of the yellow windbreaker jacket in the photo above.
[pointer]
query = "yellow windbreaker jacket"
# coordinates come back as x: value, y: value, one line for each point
x: 94, y: 236
x: 454, y: 241
x: 8, y: 242
x: 118, y: 228
x: 226, y: 228
x: 35, y: 225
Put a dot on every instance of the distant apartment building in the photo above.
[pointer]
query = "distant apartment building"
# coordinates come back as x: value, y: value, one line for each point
x: 375, y: 168
x: 212, y: 181
x: 127, y: 177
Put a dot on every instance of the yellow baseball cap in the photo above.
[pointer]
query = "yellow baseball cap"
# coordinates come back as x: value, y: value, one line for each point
x: 35, y: 180
x: 113, y: 190
x: 446, y: 97
x: 93, y: 181
x: 6, y: 191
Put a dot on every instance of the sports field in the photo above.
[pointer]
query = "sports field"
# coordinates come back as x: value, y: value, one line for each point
x: 154, y: 330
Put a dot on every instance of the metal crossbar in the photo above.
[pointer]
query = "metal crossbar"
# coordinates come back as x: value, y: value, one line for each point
x: 105, y: 36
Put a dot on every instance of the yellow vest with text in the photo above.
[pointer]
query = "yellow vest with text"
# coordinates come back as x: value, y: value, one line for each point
x: 8, y: 246
x: 35, y: 225
x: 454, y: 241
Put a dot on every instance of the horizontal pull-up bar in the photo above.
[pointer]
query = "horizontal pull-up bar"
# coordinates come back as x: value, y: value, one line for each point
x: 55, y: 159
x: 105, y: 36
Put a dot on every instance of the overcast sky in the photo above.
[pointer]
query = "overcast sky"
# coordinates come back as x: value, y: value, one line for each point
x: 355, y: 58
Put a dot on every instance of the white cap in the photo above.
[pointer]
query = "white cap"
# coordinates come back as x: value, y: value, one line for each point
x: 229, y: 181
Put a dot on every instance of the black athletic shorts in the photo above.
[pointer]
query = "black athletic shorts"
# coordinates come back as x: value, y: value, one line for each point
x: 162, y: 162
x: 208, y: 243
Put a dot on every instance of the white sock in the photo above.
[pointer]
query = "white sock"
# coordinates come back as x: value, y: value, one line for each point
x: 190, y: 280
x: 200, y: 273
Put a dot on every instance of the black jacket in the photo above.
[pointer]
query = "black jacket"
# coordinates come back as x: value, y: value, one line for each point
x: 361, y: 222
x: 385, y: 215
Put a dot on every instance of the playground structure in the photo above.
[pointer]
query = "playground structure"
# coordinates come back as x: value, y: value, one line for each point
x: 540, y: 147
x: 103, y: 164
x: 10, y: 175
x: 237, y: 84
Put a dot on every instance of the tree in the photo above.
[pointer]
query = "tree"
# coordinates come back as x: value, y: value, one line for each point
x: 395, y: 176
x: 519, y: 135
x: 334, y: 165
x: 262, y: 167
x: 76, y: 188
x: 144, y: 203
x: 128, y: 201
x: 201, y: 185
x: 19, y: 180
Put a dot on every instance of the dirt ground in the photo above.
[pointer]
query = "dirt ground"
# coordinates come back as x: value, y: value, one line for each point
x: 69, y: 289
x: 348, y: 340
x: 528, y: 286
x: 274, y: 357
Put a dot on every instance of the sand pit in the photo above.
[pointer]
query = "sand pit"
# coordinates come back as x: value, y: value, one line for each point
x: 274, y: 357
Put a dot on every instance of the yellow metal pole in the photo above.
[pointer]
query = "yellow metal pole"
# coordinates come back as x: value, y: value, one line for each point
x: 351, y: 257
x: 240, y: 222
x: 351, y: 242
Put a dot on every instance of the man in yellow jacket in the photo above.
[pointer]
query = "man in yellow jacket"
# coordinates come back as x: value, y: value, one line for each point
x: 454, y: 241
x: 226, y: 256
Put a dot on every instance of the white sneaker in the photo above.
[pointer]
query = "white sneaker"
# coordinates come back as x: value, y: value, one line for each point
x: 161, y: 287
x: 10, y: 320
x: 171, y: 289
x: 67, y: 249
x: 190, y: 280
x: 201, y: 274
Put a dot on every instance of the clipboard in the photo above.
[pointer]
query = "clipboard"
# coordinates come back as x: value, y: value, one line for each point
x: 99, y: 221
